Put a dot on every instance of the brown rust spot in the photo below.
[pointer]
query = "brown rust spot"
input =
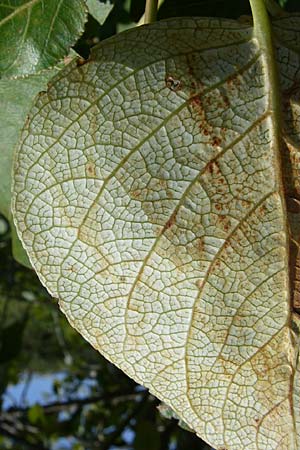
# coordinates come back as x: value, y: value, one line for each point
x: 200, y: 245
x: 216, y: 141
x: 257, y: 421
x: 213, y: 168
x: 190, y: 60
x: 136, y: 193
x: 226, y: 226
x: 170, y: 222
x: 162, y: 182
x: 262, y: 210
x: 226, y: 101
x: 233, y: 80
x: 217, y: 264
x: 224, y: 222
x: 91, y: 169
x: 196, y: 102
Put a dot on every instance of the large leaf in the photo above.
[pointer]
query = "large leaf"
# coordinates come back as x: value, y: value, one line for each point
x: 36, y: 34
x: 149, y: 196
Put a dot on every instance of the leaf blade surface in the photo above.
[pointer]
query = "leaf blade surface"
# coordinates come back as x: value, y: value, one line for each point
x: 151, y: 207
x: 37, y: 34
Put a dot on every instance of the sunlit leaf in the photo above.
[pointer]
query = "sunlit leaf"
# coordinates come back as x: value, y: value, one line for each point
x: 151, y: 191
x: 36, y: 34
x: 99, y: 10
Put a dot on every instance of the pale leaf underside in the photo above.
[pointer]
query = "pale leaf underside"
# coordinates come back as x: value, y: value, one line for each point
x: 149, y: 201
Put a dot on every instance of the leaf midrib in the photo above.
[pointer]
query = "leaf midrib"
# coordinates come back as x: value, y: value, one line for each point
x: 19, y: 10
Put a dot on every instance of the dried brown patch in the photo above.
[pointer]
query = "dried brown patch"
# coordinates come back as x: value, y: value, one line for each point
x: 170, y: 222
x: 216, y: 141
x: 136, y: 193
x: 224, y: 222
x: 190, y: 60
x: 200, y: 244
x: 262, y: 210
x: 213, y: 168
x: 90, y: 169
x: 234, y: 80
x: 173, y: 83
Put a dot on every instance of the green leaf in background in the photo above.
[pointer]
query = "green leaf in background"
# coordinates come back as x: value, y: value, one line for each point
x: 148, y: 192
x: 17, y: 96
x: 99, y: 10
x: 37, y: 34
x: 36, y: 414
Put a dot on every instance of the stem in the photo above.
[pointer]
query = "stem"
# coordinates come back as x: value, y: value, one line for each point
x: 150, y: 11
x: 53, y: 407
x: 263, y: 34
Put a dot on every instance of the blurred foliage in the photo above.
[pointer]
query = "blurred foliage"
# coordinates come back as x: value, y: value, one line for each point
x: 93, y: 405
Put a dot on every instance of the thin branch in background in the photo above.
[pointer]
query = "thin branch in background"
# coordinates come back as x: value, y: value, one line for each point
x: 16, y: 431
x: 57, y: 406
x: 61, y: 339
x: 24, y: 392
x: 110, y: 440
x: 142, y: 19
x: 151, y: 11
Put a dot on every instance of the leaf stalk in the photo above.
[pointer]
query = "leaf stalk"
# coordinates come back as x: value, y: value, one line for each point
x: 150, y: 11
